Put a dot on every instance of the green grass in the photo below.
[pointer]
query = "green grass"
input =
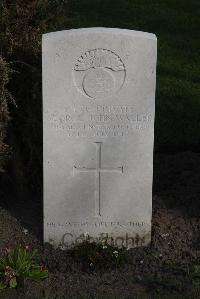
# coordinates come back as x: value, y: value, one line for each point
x: 176, y: 24
x: 130, y: 297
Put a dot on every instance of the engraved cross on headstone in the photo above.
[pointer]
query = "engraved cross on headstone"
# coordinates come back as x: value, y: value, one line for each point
x: 98, y: 170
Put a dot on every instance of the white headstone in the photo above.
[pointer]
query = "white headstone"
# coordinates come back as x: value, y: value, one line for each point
x: 98, y: 101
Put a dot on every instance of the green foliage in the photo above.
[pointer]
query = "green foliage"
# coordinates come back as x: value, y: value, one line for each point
x: 100, y: 255
x: 5, y: 98
x: 23, y: 23
x: 195, y: 275
x: 21, y: 28
x: 17, y: 265
x: 196, y: 271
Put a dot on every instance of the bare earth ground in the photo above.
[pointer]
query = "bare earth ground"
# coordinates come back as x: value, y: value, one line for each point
x: 164, y: 268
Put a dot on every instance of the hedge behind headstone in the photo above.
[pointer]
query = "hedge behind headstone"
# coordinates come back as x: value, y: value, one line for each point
x: 5, y: 97
x: 21, y: 29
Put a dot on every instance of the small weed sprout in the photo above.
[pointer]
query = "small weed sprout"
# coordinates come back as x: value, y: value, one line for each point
x: 17, y: 265
x: 100, y: 255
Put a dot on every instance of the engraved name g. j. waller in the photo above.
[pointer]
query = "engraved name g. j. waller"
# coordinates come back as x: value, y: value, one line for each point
x: 99, y: 73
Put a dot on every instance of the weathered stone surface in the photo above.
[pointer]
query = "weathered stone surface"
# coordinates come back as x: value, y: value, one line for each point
x: 98, y: 101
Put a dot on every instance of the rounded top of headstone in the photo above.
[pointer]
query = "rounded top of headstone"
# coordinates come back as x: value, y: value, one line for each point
x: 104, y: 30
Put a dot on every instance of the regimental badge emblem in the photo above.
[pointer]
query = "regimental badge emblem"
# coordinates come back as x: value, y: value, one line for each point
x: 99, y: 74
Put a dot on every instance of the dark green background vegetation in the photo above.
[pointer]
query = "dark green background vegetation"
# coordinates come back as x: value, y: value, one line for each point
x: 176, y: 24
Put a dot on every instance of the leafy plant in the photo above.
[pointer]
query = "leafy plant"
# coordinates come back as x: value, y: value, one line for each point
x: 100, y: 255
x: 17, y: 265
